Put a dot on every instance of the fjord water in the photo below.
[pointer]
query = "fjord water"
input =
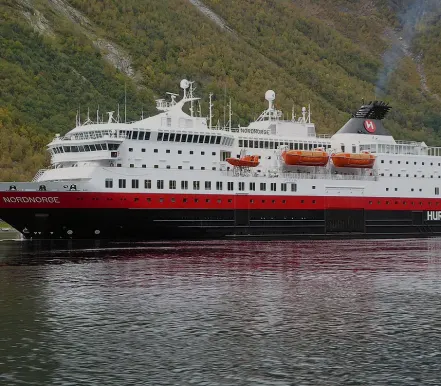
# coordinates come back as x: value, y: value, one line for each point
x: 221, y: 313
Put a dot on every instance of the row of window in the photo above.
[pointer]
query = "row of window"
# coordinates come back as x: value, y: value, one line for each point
x: 196, y: 138
x: 407, y: 163
x: 135, y: 135
x: 167, y: 167
x: 84, y: 148
x: 271, y: 144
x: 407, y: 175
x: 172, y: 184
x: 167, y: 151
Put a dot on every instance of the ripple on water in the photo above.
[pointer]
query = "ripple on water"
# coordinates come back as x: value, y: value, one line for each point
x: 221, y: 313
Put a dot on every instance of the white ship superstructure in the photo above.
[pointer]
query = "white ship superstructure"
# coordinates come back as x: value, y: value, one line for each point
x: 177, y: 175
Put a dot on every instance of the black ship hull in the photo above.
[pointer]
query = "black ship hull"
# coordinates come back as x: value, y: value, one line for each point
x: 194, y: 224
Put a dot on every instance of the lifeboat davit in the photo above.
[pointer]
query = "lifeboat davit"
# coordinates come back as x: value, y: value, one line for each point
x: 316, y: 157
x: 248, y: 161
x: 356, y: 160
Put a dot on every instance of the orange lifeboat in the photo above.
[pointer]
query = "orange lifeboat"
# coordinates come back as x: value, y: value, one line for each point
x: 316, y: 157
x: 248, y: 161
x: 357, y: 160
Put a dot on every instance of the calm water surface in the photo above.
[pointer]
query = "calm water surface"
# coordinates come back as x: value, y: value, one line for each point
x: 221, y: 313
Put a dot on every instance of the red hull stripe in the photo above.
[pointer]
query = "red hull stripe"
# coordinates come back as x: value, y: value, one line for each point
x: 84, y: 200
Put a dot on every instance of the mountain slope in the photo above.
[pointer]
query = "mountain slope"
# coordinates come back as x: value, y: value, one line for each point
x: 58, y: 56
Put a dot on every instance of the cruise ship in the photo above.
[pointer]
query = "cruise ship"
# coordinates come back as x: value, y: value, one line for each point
x: 175, y: 175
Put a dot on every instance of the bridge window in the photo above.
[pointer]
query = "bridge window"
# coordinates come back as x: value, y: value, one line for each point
x: 160, y: 136
x: 109, y: 183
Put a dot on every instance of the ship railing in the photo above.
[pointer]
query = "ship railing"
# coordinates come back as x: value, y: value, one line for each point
x: 397, y: 149
x: 412, y: 143
x: 322, y: 136
x: 303, y: 176
x: 225, y: 128
x: 434, y: 151
x: 38, y: 175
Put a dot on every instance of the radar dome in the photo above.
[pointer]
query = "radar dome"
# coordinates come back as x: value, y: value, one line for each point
x: 185, y: 84
x: 270, y: 95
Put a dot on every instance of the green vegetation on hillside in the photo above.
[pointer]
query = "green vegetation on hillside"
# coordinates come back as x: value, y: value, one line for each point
x: 324, y: 53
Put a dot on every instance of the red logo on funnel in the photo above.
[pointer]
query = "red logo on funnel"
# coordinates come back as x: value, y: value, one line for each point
x: 370, y: 126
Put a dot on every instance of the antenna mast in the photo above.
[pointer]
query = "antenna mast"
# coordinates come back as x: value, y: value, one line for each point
x: 191, y: 97
x: 211, y: 111
x: 98, y: 114
x: 225, y: 101
x: 125, y: 102
x: 230, y: 113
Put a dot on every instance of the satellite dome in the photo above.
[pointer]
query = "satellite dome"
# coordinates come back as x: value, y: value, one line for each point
x: 185, y: 84
x: 270, y: 95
